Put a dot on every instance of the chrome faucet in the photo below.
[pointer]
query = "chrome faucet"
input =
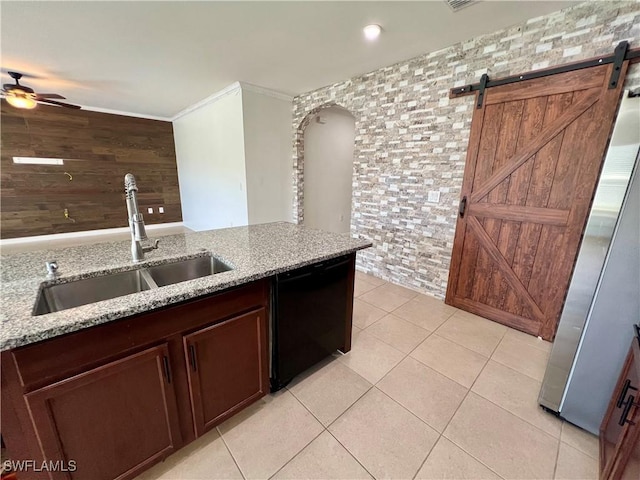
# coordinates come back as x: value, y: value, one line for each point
x: 136, y: 222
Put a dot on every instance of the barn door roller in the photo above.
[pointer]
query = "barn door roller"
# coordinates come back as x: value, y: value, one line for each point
x: 618, y: 59
x: 620, y: 55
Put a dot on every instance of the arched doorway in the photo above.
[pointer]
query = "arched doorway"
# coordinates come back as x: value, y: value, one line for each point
x: 328, y: 136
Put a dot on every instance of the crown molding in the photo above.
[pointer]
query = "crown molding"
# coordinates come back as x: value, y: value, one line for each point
x: 210, y: 99
x: 126, y: 114
x: 235, y: 86
x: 265, y: 91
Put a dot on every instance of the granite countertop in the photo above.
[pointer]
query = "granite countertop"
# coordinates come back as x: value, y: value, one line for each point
x: 254, y: 252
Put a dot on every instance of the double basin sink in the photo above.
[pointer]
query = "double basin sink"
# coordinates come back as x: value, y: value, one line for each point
x: 53, y: 298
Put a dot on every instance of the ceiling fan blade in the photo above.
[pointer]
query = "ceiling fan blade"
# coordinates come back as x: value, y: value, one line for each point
x: 49, y: 95
x: 61, y: 104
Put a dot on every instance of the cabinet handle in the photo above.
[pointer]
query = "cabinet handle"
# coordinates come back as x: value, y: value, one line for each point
x: 623, y: 392
x: 167, y: 368
x: 625, y: 413
x: 192, y: 357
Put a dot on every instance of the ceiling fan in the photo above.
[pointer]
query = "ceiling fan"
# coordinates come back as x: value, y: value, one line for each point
x: 21, y: 96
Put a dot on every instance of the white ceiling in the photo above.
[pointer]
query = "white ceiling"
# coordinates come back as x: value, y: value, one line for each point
x: 157, y: 58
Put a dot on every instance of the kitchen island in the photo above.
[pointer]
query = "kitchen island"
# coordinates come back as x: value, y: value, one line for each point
x: 108, y: 389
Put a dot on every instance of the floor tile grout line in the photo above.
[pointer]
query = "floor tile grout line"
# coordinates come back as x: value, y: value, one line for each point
x: 515, y: 370
x: 558, y: 439
x: 516, y: 415
x: 405, y: 408
x: 382, y: 340
x: 460, y: 405
x: 596, y: 458
x: 509, y: 411
x: 431, y: 332
x: 350, y: 407
x: 456, y: 342
x: 425, y: 458
x: 555, y: 464
x: 352, y: 370
x: 441, y: 434
x: 564, y: 423
x: 405, y: 355
x: 415, y: 416
x: 371, y: 385
x: 379, y: 308
x: 351, y: 454
x: 231, y: 453
x: 443, y: 374
x: 537, y: 339
x: 297, y: 453
x: 463, y: 346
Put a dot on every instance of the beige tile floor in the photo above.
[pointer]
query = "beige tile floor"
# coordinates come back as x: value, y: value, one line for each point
x: 427, y: 391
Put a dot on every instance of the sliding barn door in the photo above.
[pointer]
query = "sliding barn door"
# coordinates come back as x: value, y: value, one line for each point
x: 534, y: 157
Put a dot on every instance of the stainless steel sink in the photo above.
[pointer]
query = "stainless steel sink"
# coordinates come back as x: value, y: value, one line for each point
x: 184, y: 270
x: 54, y: 298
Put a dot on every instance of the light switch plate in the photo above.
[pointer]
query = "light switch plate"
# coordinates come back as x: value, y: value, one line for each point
x: 160, y: 209
x: 433, y: 196
x: 150, y: 210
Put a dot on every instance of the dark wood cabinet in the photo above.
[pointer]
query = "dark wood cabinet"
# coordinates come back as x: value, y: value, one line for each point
x: 228, y: 367
x: 119, y: 397
x: 94, y: 419
x: 620, y: 429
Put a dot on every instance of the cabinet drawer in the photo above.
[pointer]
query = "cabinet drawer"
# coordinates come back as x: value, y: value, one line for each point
x: 43, y: 363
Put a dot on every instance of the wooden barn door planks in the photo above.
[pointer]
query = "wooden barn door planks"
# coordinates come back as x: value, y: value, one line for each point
x: 534, y: 157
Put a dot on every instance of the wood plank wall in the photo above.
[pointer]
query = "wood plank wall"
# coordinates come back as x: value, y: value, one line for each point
x: 98, y: 150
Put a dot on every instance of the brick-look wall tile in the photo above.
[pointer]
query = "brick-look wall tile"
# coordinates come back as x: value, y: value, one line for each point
x: 412, y: 139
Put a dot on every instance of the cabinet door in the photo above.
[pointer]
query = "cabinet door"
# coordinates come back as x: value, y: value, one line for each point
x: 112, y: 421
x: 228, y: 367
x: 620, y: 429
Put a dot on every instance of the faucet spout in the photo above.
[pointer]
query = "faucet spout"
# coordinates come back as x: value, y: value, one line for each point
x: 136, y: 220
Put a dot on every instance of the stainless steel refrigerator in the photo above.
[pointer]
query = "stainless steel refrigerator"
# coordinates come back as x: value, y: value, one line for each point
x: 603, y: 300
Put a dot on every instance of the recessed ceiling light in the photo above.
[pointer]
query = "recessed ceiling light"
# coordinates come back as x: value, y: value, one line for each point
x: 371, y: 32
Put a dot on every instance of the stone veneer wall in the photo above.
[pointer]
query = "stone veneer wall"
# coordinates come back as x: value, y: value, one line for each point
x: 411, y: 139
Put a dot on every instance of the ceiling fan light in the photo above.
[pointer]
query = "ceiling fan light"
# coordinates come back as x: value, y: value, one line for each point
x: 21, y: 100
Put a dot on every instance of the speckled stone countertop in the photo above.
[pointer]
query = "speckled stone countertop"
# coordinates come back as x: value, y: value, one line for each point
x: 253, y: 252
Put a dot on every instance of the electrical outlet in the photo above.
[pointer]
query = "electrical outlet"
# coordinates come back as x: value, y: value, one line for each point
x: 160, y: 209
x: 150, y: 210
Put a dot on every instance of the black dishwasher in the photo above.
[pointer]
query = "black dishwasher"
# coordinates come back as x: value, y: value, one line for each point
x: 310, y: 309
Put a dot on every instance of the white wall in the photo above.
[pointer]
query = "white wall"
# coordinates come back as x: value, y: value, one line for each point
x: 268, y: 162
x: 328, y: 170
x: 211, y: 167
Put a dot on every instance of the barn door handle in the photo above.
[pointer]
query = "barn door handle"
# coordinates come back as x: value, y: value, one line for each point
x: 463, y: 206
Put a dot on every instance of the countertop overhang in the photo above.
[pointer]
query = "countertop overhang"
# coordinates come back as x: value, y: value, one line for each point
x: 254, y: 252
